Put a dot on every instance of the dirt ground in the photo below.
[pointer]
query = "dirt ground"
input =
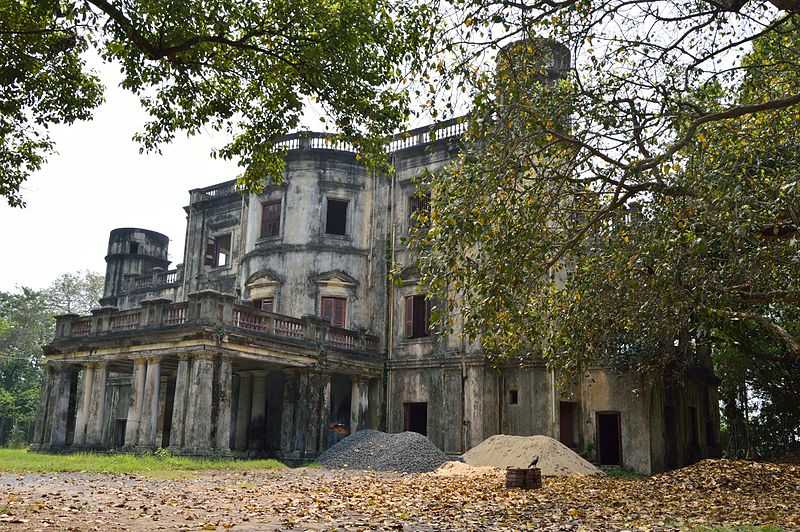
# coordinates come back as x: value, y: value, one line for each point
x: 709, y: 493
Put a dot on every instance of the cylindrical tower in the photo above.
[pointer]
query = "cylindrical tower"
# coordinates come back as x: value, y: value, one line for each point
x: 132, y: 251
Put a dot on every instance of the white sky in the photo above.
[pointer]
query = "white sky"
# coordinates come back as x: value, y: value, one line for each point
x: 98, y: 181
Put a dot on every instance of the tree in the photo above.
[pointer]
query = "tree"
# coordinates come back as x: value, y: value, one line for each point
x: 624, y: 218
x: 26, y: 324
x: 240, y: 67
x: 75, y: 293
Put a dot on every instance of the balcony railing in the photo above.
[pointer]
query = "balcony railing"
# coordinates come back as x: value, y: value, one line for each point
x: 154, y: 281
x: 212, y: 308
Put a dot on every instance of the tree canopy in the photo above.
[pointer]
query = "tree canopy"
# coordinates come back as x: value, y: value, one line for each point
x: 634, y: 207
x: 244, y: 68
x: 26, y: 325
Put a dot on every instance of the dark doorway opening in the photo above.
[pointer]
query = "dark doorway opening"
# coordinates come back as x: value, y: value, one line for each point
x: 568, y: 416
x: 416, y: 417
x: 609, y: 438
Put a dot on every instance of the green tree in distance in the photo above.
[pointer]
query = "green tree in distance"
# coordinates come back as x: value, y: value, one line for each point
x: 26, y: 325
x: 244, y: 68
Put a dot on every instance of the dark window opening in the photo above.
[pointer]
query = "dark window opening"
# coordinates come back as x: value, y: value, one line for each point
x: 336, y: 220
x: 134, y: 248
x: 567, y: 420
x: 419, y: 209
x: 266, y: 304
x: 334, y: 310
x: 417, y: 316
x: 271, y: 218
x: 218, y: 251
x: 415, y: 417
x: 513, y: 397
x: 609, y: 438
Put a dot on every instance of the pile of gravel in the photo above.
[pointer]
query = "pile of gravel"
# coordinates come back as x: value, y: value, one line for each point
x: 407, y: 452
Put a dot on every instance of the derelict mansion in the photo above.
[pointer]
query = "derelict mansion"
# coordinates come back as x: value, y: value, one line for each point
x: 280, y: 328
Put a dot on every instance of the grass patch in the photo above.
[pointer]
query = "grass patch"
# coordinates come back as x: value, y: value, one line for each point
x: 159, y: 466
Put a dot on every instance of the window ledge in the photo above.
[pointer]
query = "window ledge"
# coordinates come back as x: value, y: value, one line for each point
x: 268, y: 240
x: 422, y: 340
x: 219, y: 269
x: 331, y: 236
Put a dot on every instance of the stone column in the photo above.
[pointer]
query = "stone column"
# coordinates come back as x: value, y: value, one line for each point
x: 39, y: 427
x: 79, y: 440
x: 288, y: 413
x: 148, y: 425
x: 359, y: 404
x: 95, y: 421
x: 136, y: 400
x: 302, y: 407
x: 257, y: 432
x: 162, y: 411
x: 197, y: 438
x: 243, y: 412
x: 180, y: 404
x: 224, y: 399
x: 318, y: 398
x: 59, y: 408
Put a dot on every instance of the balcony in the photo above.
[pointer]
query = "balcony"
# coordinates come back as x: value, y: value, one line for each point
x: 213, y: 311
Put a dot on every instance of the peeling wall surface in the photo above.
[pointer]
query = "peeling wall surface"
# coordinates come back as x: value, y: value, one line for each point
x: 280, y: 332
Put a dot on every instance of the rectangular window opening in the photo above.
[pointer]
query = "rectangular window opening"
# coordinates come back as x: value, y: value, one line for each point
x: 266, y: 304
x: 334, y: 310
x: 218, y: 250
x: 336, y: 217
x: 417, y: 316
x: 271, y: 218
x: 513, y: 397
x: 419, y: 209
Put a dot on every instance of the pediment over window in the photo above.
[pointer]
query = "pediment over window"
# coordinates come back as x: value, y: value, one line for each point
x: 409, y: 275
x: 336, y: 278
x: 262, y: 284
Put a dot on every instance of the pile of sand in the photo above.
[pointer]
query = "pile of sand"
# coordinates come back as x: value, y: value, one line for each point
x: 555, y: 458
x: 460, y: 469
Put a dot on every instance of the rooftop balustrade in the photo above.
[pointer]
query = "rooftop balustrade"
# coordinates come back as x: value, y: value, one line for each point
x: 153, y: 281
x: 211, y: 308
x: 311, y: 140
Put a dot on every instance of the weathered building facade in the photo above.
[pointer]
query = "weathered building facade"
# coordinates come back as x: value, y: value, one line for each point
x: 280, y: 330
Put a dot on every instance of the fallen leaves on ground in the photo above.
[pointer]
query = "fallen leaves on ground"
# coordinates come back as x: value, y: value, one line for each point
x: 711, y: 492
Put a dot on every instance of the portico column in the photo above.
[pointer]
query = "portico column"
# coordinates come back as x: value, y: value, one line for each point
x: 198, y: 413
x: 40, y: 433
x: 243, y: 410
x: 59, y: 408
x: 257, y: 432
x: 95, y: 421
x: 148, y: 423
x: 359, y: 404
x: 179, y: 405
x: 135, y: 405
x: 225, y: 383
x: 288, y: 413
x: 83, y: 408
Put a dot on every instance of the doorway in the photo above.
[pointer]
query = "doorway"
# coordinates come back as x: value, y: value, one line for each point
x: 416, y: 417
x: 609, y: 438
x: 567, y: 418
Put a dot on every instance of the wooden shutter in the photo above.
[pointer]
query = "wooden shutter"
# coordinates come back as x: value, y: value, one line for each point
x: 271, y: 218
x: 339, y: 311
x: 409, y: 317
x: 211, y: 252
x: 326, y: 312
